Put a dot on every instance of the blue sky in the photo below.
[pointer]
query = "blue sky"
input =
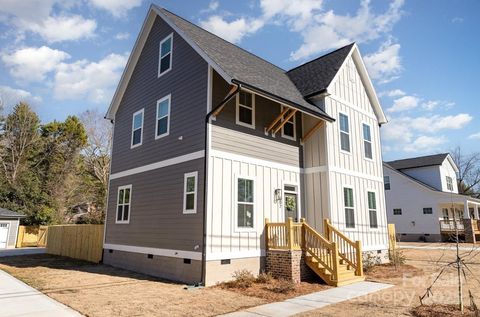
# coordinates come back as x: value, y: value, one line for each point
x: 66, y: 56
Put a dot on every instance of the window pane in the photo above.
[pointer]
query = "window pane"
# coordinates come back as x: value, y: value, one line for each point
x: 137, y: 121
x: 125, y: 212
x: 245, y: 115
x: 246, y: 99
x: 368, y: 149
x: 288, y: 129
x: 165, y: 63
x: 127, y: 196
x: 348, y: 197
x: 397, y: 211
x: 190, y: 184
x: 366, y: 132
x: 120, y: 196
x: 349, y: 218
x: 190, y: 201
x: 372, y: 204
x: 163, y: 108
x: 119, y: 213
x: 345, y: 141
x: 249, y: 191
x: 245, y: 216
x: 137, y: 136
x: 245, y: 190
x: 162, y: 126
x: 427, y: 211
x: 166, y: 47
x: 373, y: 219
x: 343, y: 123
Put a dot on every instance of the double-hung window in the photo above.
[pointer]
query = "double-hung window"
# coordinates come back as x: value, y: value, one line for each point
x: 449, y: 183
x: 372, y: 210
x: 349, y: 211
x: 123, y: 204
x: 367, y: 141
x: 386, y: 182
x: 163, y: 117
x: 246, y: 109
x: 165, y: 55
x: 137, y: 128
x: 288, y: 129
x: 245, y: 203
x: 344, y: 133
x: 190, y: 193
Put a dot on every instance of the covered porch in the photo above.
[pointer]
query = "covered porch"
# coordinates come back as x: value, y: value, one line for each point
x: 462, y: 216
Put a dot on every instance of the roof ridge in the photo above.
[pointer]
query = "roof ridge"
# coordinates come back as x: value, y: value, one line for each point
x: 320, y: 57
x: 418, y: 157
x: 229, y: 43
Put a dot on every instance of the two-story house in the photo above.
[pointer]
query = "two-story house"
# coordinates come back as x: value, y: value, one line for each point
x: 210, y: 141
x: 423, y: 201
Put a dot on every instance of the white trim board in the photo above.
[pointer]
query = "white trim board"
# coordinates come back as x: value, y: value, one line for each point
x: 155, y: 251
x: 215, y: 256
x: 164, y: 163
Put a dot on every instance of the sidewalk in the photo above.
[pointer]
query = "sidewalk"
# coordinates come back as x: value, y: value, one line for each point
x: 311, y: 301
x: 438, y: 246
x: 19, y: 299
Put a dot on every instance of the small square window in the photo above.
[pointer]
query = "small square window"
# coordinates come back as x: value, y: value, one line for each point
x: 427, y: 211
x: 397, y: 211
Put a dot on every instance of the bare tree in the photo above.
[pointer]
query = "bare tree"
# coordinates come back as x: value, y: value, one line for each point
x: 469, y: 171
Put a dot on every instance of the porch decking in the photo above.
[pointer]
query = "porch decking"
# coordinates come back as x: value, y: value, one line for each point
x: 469, y: 228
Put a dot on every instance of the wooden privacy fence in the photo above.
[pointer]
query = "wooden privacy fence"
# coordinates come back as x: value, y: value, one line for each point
x: 84, y: 242
x: 32, y: 236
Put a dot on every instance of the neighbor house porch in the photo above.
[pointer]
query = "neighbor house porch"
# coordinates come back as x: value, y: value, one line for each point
x: 462, y: 216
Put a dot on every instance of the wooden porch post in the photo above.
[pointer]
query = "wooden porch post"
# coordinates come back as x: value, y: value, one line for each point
x: 335, y: 260
x: 359, y: 271
x: 289, y: 226
x: 266, y: 233
x: 302, y: 221
x: 326, y: 229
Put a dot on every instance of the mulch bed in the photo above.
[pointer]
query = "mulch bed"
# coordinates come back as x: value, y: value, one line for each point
x: 389, y: 271
x: 441, y: 311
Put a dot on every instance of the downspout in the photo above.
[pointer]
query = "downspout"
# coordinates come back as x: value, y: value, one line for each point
x: 205, y: 176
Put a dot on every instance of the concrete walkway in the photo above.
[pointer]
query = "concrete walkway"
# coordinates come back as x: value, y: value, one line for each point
x: 19, y: 299
x: 311, y: 301
x: 21, y: 251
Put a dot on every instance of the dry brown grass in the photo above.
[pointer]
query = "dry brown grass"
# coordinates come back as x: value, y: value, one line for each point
x: 387, y: 271
x: 441, y: 311
x: 101, y: 290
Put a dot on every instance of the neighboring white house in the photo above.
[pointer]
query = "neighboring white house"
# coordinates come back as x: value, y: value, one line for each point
x: 423, y: 200
x: 9, y: 221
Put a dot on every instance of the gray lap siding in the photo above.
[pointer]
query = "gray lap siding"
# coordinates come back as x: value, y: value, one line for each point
x: 187, y: 84
x: 156, y: 211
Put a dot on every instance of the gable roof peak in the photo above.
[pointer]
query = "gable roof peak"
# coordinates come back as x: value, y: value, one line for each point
x: 419, y: 161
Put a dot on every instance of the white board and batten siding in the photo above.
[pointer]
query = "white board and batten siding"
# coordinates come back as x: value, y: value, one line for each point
x: 245, y: 157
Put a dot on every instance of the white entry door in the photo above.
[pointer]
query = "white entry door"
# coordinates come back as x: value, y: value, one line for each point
x: 3, y: 235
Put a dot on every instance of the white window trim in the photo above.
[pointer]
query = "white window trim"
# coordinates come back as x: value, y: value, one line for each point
x: 365, y: 140
x: 160, y: 55
x: 449, y: 188
x: 235, y: 202
x: 186, y: 176
x: 345, y: 207
x: 169, y: 98
x: 370, y: 190
x: 142, y: 111
x: 129, y: 205
x: 237, y: 108
x: 340, y: 134
x: 294, y: 138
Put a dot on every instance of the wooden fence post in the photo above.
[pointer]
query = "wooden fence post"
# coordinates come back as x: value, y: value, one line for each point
x: 335, y: 261
x: 359, y: 254
x: 302, y: 221
x: 290, y: 233
x: 21, y: 233
x: 266, y: 233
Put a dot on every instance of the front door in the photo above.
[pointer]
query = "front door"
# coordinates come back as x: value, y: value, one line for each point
x: 290, y: 203
x: 3, y: 235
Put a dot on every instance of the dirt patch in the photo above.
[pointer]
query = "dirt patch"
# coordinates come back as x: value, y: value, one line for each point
x: 388, y: 272
x: 441, y: 311
x: 102, y: 290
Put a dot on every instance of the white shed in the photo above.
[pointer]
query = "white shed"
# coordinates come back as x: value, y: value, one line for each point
x: 9, y: 222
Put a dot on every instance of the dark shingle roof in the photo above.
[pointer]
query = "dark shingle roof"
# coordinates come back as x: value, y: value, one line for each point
x: 5, y: 213
x: 313, y: 77
x: 420, y: 161
x: 243, y: 66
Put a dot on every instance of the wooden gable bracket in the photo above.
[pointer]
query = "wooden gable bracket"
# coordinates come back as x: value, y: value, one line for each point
x: 285, y: 120
x: 217, y: 111
x: 311, y: 131
x: 274, y: 122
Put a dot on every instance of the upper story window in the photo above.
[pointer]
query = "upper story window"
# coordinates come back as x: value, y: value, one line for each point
x: 137, y: 128
x: 245, y: 203
x: 162, y: 127
x: 288, y: 129
x: 165, y: 55
x: 344, y: 133
x: 367, y: 141
x: 190, y: 193
x: 123, y: 204
x: 246, y: 109
x: 449, y: 183
x: 372, y: 210
x: 386, y: 182
x: 349, y: 211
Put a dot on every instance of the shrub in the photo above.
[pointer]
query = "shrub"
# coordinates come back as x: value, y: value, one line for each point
x: 369, y: 261
x: 264, y: 278
x: 282, y: 286
x: 396, y: 257
x: 242, y: 279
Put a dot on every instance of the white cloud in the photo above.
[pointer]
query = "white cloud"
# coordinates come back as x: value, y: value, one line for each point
x: 430, y: 105
x: 117, y: 8
x: 425, y: 143
x: 94, y: 81
x: 385, y: 64
x: 63, y: 28
x: 32, y: 64
x: 9, y: 97
x: 404, y: 103
x: 475, y: 136
x: 122, y: 36
x: 457, y: 20
x: 436, y: 123
x: 392, y: 93
x: 232, y: 31
x: 296, y: 13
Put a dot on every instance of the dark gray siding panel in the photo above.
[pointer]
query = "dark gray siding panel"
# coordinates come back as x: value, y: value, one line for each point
x: 187, y: 84
x: 156, y: 218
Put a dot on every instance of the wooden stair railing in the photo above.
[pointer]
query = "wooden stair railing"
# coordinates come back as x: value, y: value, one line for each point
x: 348, y: 250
